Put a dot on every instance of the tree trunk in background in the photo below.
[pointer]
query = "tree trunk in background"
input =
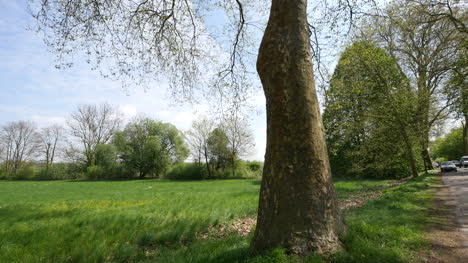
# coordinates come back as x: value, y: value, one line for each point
x: 297, y: 206
x: 207, y: 163
x: 465, y: 136
x: 409, y: 151
x: 424, y: 97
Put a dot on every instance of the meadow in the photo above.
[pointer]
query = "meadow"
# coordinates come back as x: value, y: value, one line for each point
x: 161, y: 221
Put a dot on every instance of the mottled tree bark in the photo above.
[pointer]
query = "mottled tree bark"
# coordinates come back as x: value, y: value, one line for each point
x: 297, y: 207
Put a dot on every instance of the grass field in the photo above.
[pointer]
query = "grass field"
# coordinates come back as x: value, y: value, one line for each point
x: 160, y: 221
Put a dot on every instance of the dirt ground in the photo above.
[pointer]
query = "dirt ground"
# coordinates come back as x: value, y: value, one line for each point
x: 447, y: 233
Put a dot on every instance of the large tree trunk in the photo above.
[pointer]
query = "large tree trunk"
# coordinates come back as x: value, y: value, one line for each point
x: 297, y: 207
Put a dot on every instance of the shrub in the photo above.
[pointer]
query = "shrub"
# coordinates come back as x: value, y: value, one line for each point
x: 43, y: 175
x: 254, y: 166
x: 106, y: 155
x: 25, y: 173
x: 187, y: 171
x: 3, y: 175
x: 57, y: 171
x: 94, y: 172
x: 245, y: 170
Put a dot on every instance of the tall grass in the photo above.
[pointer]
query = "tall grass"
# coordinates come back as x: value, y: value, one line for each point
x: 156, y: 221
x: 112, y: 221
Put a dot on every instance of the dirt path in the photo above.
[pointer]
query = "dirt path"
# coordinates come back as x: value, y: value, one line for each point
x: 449, y: 230
x: 358, y: 199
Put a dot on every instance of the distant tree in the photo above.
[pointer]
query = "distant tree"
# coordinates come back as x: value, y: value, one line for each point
x: 50, y: 138
x: 454, y: 11
x: 218, y: 148
x: 240, y: 138
x: 20, y: 143
x: 93, y: 125
x: 457, y: 87
x: 425, y: 47
x: 148, y: 147
x: 197, y: 140
x: 450, y: 146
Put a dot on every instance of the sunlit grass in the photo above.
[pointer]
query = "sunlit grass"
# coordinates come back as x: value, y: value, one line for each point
x: 389, y: 228
x: 346, y: 187
x: 134, y: 221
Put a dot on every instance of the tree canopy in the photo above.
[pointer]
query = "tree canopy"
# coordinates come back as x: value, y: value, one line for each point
x: 368, y: 115
x: 450, y: 147
x: 149, y: 147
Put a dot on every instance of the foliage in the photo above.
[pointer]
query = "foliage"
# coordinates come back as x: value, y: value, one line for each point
x: 450, y: 146
x: 57, y: 171
x: 219, y: 154
x: 106, y: 155
x: 426, y: 47
x: 220, y: 148
x: 18, y: 145
x: 368, y: 114
x: 95, y: 172
x: 240, y: 138
x: 187, y: 171
x: 93, y: 125
x: 457, y: 86
x: 26, y: 172
x: 245, y: 170
x: 197, y: 139
x: 195, y: 171
x: 149, y: 147
x: 254, y: 166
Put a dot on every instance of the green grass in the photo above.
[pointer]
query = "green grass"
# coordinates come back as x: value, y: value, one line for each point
x: 390, y: 228
x: 348, y: 187
x: 386, y: 229
x: 116, y: 221
x: 158, y: 221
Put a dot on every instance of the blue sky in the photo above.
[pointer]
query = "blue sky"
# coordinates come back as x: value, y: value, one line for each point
x: 31, y: 88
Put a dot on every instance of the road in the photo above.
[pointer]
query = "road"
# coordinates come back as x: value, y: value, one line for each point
x: 457, y: 186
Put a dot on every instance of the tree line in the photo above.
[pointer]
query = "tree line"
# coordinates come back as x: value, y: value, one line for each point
x: 394, y: 88
x: 142, y: 40
x: 96, y: 145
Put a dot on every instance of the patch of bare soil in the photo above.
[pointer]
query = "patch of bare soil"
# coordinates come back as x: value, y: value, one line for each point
x: 244, y: 226
x: 444, y: 233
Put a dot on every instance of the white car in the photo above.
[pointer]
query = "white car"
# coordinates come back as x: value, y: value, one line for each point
x: 448, y: 167
x: 464, y: 161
